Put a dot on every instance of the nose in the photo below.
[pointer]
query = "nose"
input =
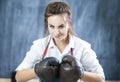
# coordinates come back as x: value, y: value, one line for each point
x: 57, y: 31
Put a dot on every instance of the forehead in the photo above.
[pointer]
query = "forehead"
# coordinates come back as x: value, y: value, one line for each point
x: 57, y: 19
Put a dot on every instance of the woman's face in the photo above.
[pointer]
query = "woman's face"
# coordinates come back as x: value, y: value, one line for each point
x: 58, y: 27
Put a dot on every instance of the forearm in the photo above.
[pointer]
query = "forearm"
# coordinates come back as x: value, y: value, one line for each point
x: 92, y: 77
x: 25, y: 75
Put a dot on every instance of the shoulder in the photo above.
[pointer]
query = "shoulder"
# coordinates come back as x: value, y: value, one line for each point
x: 80, y: 42
x: 85, y: 47
x: 41, y: 41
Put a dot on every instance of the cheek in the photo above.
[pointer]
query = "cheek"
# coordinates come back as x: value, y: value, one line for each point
x: 51, y: 32
x: 66, y: 30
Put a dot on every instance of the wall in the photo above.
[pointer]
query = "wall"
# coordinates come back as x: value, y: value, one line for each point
x: 96, y: 21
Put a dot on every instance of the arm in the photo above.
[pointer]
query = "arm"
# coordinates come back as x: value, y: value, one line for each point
x: 71, y: 71
x: 25, y: 75
x: 25, y: 71
x: 94, y: 71
x: 92, y: 77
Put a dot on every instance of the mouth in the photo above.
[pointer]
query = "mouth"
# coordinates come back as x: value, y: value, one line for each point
x: 58, y: 36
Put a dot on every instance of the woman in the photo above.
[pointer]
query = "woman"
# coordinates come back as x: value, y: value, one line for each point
x: 59, y: 42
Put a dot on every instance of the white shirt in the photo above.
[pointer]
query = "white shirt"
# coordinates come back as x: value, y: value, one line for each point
x: 81, y: 51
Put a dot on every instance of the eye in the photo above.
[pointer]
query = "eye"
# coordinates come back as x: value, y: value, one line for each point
x: 51, y: 26
x: 61, y: 26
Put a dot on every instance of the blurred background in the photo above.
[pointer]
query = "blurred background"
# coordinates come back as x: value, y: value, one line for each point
x: 96, y: 21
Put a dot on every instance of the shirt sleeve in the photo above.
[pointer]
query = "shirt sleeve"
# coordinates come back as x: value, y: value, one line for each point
x: 90, y: 62
x: 32, y: 57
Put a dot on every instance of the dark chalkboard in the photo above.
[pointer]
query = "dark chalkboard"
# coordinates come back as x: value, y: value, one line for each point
x: 96, y: 21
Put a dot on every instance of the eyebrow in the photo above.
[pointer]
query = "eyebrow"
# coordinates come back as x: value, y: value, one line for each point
x: 59, y: 25
x: 51, y: 25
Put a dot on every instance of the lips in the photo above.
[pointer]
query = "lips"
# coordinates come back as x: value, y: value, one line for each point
x: 58, y: 36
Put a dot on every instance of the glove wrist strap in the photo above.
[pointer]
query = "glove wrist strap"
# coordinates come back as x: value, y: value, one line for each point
x: 82, y: 73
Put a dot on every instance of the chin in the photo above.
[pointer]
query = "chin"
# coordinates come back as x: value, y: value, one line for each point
x: 58, y: 39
